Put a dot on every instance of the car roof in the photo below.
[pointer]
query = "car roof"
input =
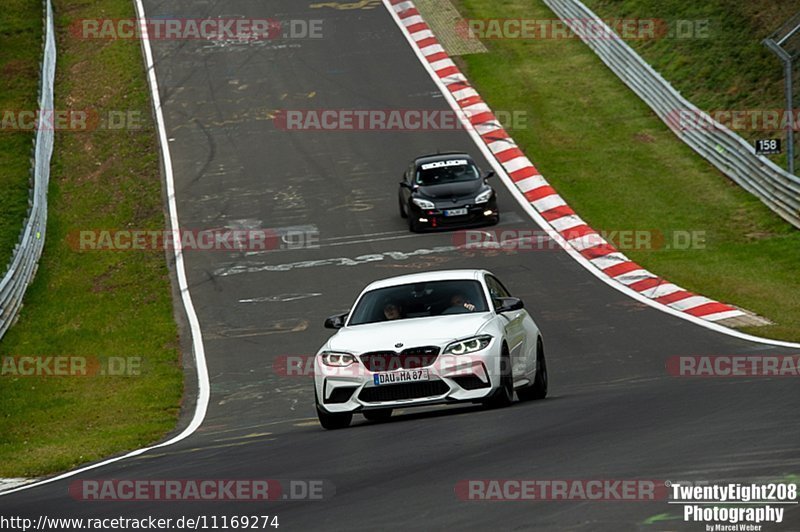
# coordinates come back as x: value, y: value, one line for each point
x: 432, y: 158
x: 442, y: 275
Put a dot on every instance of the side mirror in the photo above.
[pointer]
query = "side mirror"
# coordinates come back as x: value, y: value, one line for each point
x: 489, y: 174
x: 336, y: 322
x: 507, y: 304
x: 405, y: 184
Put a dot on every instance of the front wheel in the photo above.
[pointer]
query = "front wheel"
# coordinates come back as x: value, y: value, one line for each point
x: 504, y: 395
x: 332, y: 421
x: 537, y: 390
x: 329, y: 420
x: 403, y: 213
x: 412, y: 225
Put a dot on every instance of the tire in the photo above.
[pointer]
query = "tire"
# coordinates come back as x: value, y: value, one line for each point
x: 378, y: 415
x: 412, y: 225
x: 504, y: 395
x: 538, y: 389
x: 333, y: 421
x: 330, y: 421
x: 403, y: 213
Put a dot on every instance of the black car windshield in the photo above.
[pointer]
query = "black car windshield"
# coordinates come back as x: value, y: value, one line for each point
x: 418, y: 300
x: 448, y: 171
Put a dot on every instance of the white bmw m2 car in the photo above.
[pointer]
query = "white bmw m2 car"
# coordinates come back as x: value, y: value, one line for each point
x: 428, y: 338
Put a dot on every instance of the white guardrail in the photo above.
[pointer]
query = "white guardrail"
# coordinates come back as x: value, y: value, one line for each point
x: 726, y: 150
x: 27, y: 252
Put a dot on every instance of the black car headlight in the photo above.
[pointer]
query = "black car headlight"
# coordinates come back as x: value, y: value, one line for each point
x: 336, y: 359
x: 470, y: 345
x: 484, y: 196
x: 423, y: 204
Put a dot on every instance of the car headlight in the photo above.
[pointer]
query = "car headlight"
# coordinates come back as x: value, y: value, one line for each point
x: 423, y: 204
x: 339, y: 360
x: 483, y: 197
x: 470, y: 345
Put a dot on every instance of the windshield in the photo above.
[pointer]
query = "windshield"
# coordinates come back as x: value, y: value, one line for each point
x: 418, y: 300
x: 449, y: 171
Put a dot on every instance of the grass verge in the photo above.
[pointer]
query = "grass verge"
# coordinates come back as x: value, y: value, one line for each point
x: 20, y: 53
x: 95, y: 304
x: 621, y: 168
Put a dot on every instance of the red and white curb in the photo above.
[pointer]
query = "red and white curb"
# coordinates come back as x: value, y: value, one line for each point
x: 538, y: 192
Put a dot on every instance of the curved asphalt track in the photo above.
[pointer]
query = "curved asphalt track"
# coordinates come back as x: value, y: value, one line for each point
x: 612, y: 413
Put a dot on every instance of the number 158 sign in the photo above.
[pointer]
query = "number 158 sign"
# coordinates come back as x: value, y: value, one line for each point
x: 768, y: 146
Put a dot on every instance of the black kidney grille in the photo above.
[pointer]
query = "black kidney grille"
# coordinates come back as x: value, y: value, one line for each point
x: 412, y: 358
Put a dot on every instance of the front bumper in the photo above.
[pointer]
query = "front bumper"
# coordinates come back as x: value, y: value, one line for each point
x: 482, y: 214
x: 453, y: 378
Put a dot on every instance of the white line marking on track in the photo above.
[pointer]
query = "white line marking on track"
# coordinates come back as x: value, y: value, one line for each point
x: 346, y: 237
x: 402, y: 234
x: 280, y: 298
x: 338, y: 261
x: 367, y: 240
x: 11, y: 483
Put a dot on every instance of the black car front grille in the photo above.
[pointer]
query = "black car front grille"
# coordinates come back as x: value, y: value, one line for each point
x: 411, y: 358
x: 407, y: 390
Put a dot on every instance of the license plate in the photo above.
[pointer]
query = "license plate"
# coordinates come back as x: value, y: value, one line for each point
x: 455, y: 212
x: 396, y: 377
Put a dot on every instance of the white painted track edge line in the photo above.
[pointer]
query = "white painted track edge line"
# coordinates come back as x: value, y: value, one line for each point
x: 204, y: 387
x: 498, y: 168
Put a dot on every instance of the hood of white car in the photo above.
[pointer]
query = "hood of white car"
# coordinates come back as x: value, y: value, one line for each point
x: 411, y: 332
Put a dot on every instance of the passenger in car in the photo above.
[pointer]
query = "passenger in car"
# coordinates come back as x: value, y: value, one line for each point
x: 459, y: 304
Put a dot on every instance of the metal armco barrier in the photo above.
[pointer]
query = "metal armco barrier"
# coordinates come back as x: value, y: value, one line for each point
x: 25, y: 259
x: 726, y: 150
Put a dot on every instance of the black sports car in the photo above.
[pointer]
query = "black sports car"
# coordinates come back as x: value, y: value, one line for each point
x: 446, y: 190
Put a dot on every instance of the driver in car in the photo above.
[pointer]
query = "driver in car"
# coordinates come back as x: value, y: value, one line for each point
x: 392, y: 311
